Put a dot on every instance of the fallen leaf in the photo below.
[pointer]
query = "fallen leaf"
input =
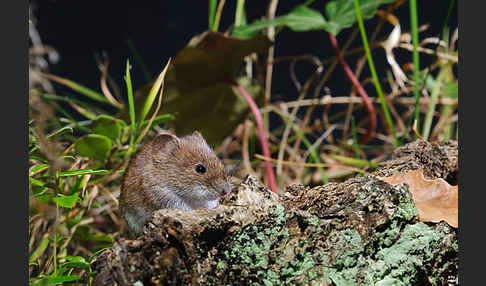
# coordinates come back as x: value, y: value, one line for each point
x: 198, y: 85
x: 435, y: 200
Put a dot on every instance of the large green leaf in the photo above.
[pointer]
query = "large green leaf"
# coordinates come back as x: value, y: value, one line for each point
x: 301, y: 18
x: 108, y: 126
x: 93, y: 146
x: 340, y: 14
x: 198, y: 86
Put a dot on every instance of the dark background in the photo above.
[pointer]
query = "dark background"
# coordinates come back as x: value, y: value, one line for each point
x: 159, y: 29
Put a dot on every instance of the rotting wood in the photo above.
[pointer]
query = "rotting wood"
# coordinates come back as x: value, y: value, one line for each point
x: 362, y: 231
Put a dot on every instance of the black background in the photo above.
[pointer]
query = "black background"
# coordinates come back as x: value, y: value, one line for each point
x: 159, y: 29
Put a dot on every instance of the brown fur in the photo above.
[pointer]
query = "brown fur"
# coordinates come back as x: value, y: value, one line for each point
x: 162, y: 175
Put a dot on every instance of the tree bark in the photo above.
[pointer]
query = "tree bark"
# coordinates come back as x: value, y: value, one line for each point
x: 360, y: 232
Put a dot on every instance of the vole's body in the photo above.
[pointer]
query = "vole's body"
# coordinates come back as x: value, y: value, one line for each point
x: 172, y: 172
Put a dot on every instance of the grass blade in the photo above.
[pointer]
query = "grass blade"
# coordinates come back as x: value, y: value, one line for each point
x: 373, y: 73
x: 82, y: 172
x: 153, y: 94
x: 217, y: 18
x: 131, y: 106
x: 433, y: 101
x: 158, y: 85
x: 212, y: 13
x: 240, y: 18
x: 81, y: 89
x: 416, y: 64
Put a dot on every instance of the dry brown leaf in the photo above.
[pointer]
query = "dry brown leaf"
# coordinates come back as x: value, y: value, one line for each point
x: 435, y: 200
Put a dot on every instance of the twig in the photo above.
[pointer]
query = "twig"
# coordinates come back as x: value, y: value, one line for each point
x: 429, y: 52
x: 346, y: 100
x: 217, y: 18
x: 272, y: 8
x: 244, y: 148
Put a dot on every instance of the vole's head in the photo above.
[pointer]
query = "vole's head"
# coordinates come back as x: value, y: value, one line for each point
x: 189, y: 167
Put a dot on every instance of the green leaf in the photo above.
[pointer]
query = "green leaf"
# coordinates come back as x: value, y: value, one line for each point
x: 66, y: 201
x: 83, y: 172
x: 108, y: 126
x: 93, y: 146
x: 36, y: 182
x: 341, y: 13
x: 40, y: 159
x: 301, y: 18
x: 40, y: 249
x: 57, y: 280
x: 76, y: 261
x: 39, y: 168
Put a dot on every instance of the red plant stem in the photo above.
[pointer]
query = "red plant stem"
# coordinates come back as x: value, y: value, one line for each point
x: 261, y: 135
x: 359, y: 89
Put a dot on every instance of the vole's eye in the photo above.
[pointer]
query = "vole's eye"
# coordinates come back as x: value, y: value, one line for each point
x: 200, y: 169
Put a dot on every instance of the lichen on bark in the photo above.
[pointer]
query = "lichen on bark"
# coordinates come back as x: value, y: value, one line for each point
x: 362, y: 231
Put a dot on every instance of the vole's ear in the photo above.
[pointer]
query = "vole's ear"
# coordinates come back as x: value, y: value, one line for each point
x: 196, y: 133
x: 164, y: 141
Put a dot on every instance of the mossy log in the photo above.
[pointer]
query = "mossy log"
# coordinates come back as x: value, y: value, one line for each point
x: 359, y: 232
